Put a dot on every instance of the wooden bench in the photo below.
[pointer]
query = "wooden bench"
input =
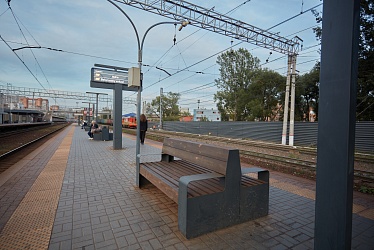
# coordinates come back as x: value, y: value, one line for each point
x: 208, y: 184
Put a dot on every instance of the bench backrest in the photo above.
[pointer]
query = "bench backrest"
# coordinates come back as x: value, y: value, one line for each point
x: 222, y: 160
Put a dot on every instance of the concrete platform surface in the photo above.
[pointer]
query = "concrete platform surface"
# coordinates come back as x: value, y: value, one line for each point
x: 76, y: 193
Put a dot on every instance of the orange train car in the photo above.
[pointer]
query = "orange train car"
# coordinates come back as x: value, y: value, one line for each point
x: 129, y: 122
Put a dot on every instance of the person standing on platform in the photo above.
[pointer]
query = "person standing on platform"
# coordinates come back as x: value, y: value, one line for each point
x: 143, y: 127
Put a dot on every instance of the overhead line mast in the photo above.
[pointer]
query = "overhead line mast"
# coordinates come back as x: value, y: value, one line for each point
x: 211, y: 20
x: 219, y: 23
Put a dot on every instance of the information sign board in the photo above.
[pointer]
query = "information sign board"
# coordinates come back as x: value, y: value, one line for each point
x: 109, y: 76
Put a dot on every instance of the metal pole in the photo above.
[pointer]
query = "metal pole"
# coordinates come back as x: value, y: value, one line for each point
x: 138, y: 107
x: 89, y: 113
x: 336, y: 124
x: 2, y: 108
x: 97, y: 106
x: 117, y: 119
x: 10, y: 104
x: 292, y: 111
x: 97, y: 102
x: 286, y: 100
x: 161, y: 93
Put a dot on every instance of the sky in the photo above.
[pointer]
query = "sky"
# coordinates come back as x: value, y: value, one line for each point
x: 89, y: 32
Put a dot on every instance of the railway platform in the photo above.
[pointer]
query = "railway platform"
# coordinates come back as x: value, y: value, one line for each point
x: 76, y: 193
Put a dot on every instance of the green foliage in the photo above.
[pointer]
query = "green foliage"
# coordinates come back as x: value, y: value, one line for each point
x: 366, y: 190
x: 365, y: 83
x: 170, y: 108
x: 237, y: 68
x: 365, y: 88
x: 265, y: 94
x: 307, y: 94
x: 204, y: 119
x: 246, y: 92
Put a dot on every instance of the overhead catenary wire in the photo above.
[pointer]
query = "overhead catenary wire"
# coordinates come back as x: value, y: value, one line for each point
x: 280, y: 23
x: 186, y: 69
x: 77, y: 53
x: 4, y: 12
x: 24, y: 64
x: 194, y: 41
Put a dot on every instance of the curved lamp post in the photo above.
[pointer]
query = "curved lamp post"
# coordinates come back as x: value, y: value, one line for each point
x: 140, y: 55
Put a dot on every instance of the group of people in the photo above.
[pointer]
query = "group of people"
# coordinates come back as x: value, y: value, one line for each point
x: 94, y: 128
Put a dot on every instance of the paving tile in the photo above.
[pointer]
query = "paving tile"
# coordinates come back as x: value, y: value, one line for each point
x: 100, y: 208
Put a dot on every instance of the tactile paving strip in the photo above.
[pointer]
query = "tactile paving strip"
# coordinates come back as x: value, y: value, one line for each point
x: 31, y: 224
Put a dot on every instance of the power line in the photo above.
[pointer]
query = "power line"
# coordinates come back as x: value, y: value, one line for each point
x: 196, y: 40
x: 302, y: 12
x: 232, y: 46
x: 77, y: 53
x: 237, y: 7
x: 197, y: 88
x: 41, y: 69
x: 4, y: 12
x: 191, y: 66
x: 23, y: 63
x: 197, y: 97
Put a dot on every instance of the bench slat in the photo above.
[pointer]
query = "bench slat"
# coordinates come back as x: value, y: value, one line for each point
x: 173, y: 171
x: 209, y: 150
x: 216, y: 165
x: 167, y: 187
x: 165, y: 176
x: 207, y: 186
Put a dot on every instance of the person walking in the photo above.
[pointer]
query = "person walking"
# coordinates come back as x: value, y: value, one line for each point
x: 143, y: 127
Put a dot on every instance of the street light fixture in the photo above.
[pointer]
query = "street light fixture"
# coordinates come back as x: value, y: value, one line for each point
x: 97, y: 101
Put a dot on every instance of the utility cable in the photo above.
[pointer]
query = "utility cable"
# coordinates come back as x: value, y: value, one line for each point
x: 24, y: 64
x: 4, y: 12
x: 76, y: 53
x: 294, y: 16
x: 192, y: 65
x: 230, y: 47
x: 193, y: 42
x: 15, y: 18
x: 81, y: 54
x: 197, y: 88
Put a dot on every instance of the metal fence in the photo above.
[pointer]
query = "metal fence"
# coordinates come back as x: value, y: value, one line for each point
x: 305, y: 132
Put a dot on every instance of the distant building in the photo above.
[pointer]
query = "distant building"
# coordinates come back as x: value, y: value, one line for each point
x: 211, y: 115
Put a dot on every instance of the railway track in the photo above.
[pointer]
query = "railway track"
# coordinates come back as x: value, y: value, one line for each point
x: 18, y: 143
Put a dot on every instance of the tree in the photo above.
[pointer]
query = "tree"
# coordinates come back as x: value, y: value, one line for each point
x: 170, y: 108
x: 237, y: 69
x: 307, y: 94
x: 247, y: 92
x: 365, y: 82
x: 265, y: 95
